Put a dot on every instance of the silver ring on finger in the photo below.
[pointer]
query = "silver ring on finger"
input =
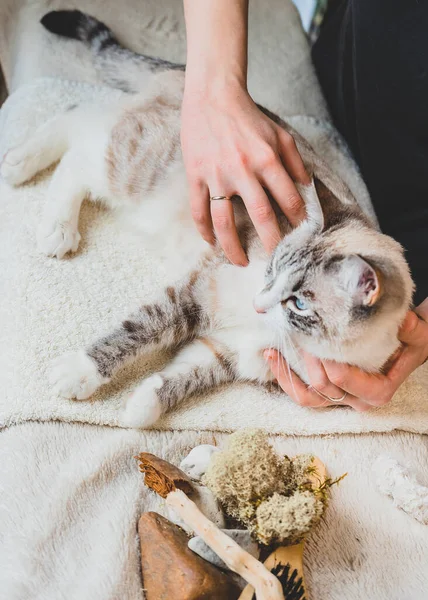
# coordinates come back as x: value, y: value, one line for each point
x: 215, y: 198
x: 337, y: 400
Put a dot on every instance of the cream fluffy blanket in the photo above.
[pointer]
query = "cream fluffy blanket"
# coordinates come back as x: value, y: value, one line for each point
x: 70, y: 493
x: 71, y: 496
x: 50, y: 307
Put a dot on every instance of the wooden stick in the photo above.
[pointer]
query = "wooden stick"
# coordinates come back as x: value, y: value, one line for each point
x: 174, y: 485
x: 266, y: 585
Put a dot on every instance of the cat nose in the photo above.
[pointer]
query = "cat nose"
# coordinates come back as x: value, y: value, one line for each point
x: 258, y: 308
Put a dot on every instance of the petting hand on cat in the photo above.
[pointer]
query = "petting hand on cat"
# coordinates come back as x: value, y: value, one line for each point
x: 364, y: 390
x: 229, y: 146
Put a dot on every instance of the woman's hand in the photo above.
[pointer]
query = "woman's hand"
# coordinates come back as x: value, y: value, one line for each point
x: 364, y: 390
x: 230, y: 147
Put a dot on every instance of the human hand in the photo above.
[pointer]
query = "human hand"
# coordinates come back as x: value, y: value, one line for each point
x: 231, y: 148
x: 364, y: 390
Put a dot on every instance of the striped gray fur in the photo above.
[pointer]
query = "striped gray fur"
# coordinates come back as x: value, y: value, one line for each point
x: 196, y: 380
x: 118, y: 67
x: 177, y: 318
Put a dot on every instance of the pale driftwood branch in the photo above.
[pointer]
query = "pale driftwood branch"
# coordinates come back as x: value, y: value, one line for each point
x: 266, y: 585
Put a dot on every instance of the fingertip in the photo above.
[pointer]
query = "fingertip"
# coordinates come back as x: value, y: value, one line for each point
x: 307, y: 357
x: 292, y: 159
x: 271, y: 242
x: 245, y: 262
x: 296, y: 214
x: 303, y: 178
x: 235, y: 254
x: 306, y: 179
x: 363, y: 408
x: 242, y: 261
x: 409, y: 324
x: 328, y: 364
x: 301, y: 216
x: 422, y: 310
x: 270, y: 355
x: 209, y: 239
x: 333, y: 368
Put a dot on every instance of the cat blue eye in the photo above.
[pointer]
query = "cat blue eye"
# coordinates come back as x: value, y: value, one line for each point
x: 300, y: 304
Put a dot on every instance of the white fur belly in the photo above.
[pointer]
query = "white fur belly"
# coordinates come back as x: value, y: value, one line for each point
x: 237, y: 324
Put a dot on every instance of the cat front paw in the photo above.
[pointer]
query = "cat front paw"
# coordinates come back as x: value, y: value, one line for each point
x: 75, y: 375
x: 17, y: 166
x: 57, y: 238
x: 143, y: 408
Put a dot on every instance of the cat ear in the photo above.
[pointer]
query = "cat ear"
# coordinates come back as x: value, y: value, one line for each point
x: 314, y: 214
x: 362, y: 281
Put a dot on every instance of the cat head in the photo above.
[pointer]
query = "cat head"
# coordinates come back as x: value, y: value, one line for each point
x: 339, y: 290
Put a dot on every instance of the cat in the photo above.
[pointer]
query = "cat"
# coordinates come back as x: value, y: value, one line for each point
x: 334, y: 286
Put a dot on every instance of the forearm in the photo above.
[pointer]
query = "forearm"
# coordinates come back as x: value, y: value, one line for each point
x: 229, y: 146
x: 216, y: 44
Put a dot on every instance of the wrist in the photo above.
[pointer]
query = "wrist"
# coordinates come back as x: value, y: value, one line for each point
x: 220, y: 86
x: 216, y: 45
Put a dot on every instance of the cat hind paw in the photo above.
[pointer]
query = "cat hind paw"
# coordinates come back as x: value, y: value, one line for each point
x: 17, y: 166
x: 75, y: 376
x: 143, y: 408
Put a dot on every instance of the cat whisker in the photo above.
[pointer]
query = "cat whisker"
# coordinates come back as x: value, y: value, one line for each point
x: 293, y: 349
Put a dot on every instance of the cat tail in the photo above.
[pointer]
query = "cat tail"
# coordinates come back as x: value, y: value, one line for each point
x: 117, y: 66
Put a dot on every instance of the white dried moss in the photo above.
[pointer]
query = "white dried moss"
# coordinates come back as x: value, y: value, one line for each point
x: 269, y: 494
x: 285, y: 519
x: 245, y: 472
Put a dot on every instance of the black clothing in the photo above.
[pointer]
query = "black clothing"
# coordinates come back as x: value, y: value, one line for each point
x: 372, y: 62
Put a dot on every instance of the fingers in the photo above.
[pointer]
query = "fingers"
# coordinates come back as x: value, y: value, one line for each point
x: 200, y: 207
x: 291, y: 158
x: 225, y: 229
x: 373, y: 388
x: 279, y: 171
x: 318, y: 377
x: 305, y: 395
x: 261, y: 213
x: 364, y: 389
x: 378, y: 389
x: 320, y: 382
x: 217, y: 217
x: 285, y: 193
x: 292, y: 385
x: 422, y: 310
x: 409, y: 360
x: 408, y: 326
x: 414, y: 330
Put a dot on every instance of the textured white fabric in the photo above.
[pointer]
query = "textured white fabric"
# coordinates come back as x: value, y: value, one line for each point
x: 71, y: 496
x: 51, y: 307
x: 399, y: 484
